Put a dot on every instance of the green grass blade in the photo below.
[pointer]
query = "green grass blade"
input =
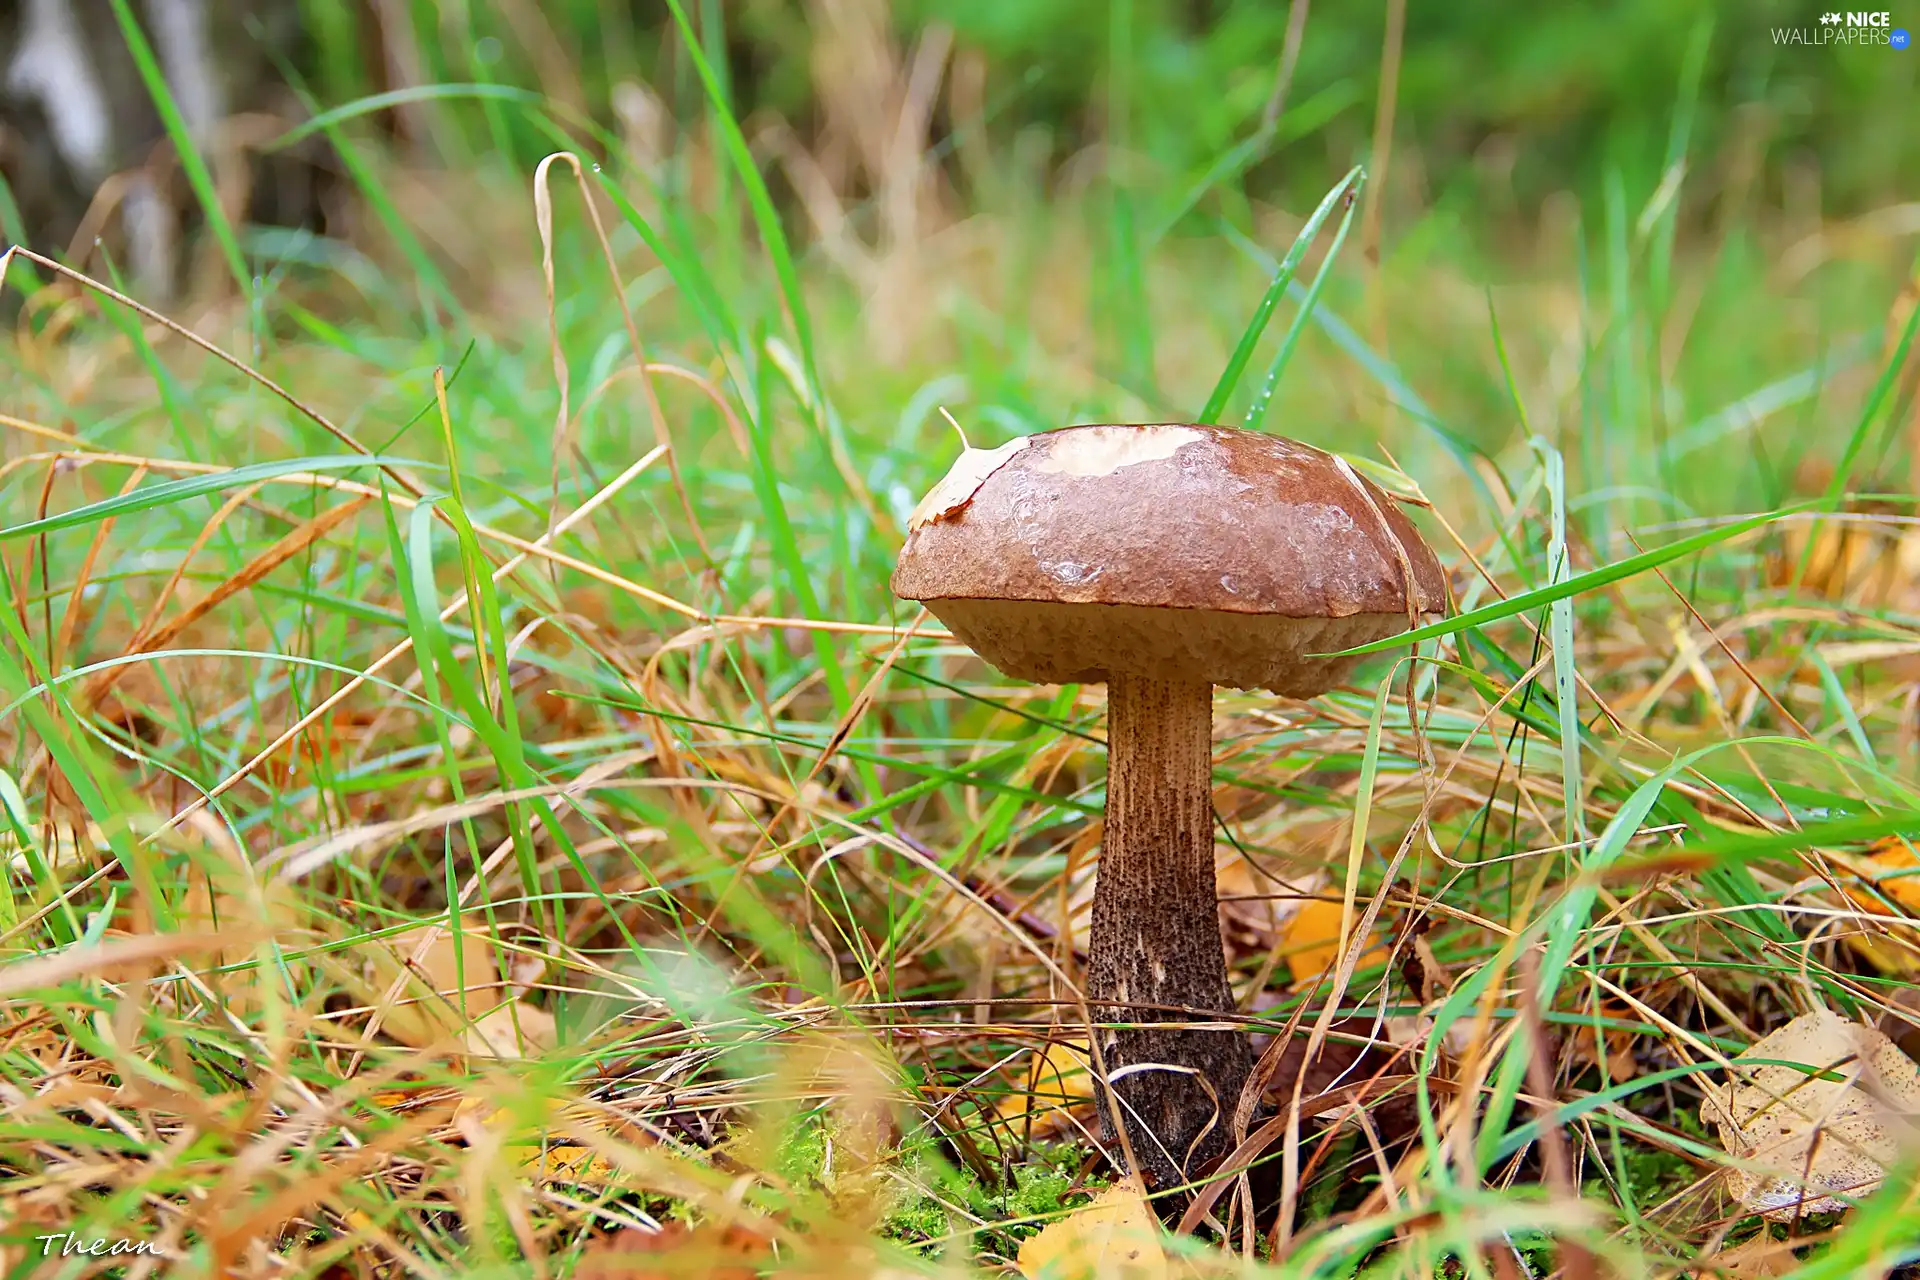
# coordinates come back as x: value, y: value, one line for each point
x: 1573, y: 586
x: 1346, y: 189
x: 153, y: 496
x: 1733, y: 849
x: 1258, y: 410
x: 325, y: 121
x: 765, y: 216
x: 1882, y: 389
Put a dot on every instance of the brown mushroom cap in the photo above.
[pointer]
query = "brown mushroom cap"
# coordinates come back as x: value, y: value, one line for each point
x: 1169, y: 551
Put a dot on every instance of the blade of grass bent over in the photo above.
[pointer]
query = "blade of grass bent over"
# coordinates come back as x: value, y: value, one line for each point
x: 1575, y: 585
x: 326, y: 120
x: 149, y: 497
x: 1264, y: 396
x: 1223, y: 390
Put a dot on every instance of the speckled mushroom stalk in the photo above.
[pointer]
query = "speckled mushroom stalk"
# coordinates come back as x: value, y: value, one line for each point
x: 1163, y: 560
x: 1155, y: 949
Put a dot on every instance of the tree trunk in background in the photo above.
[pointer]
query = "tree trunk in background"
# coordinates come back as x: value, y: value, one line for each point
x: 82, y: 146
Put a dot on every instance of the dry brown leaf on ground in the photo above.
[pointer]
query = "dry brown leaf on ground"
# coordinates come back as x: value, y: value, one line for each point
x: 1862, y: 555
x: 514, y: 1029
x: 1609, y: 1045
x: 1116, y: 1237
x: 1801, y: 1139
x: 1760, y: 1258
x: 424, y: 977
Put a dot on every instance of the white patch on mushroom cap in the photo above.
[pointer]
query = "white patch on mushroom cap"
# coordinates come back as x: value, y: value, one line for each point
x: 1100, y: 451
x: 1069, y: 573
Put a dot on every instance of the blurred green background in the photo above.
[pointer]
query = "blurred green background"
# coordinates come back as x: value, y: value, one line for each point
x: 1502, y: 101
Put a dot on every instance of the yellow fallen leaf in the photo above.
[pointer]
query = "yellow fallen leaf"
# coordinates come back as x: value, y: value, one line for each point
x: 956, y: 488
x: 1116, y: 1237
x: 1312, y: 942
x: 421, y: 1099
x: 572, y: 1162
x: 1801, y: 1140
x: 551, y: 1149
x: 1057, y: 1082
x: 1896, y: 873
x: 1893, y: 947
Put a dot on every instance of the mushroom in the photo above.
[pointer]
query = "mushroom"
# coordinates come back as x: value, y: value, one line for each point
x: 1163, y: 560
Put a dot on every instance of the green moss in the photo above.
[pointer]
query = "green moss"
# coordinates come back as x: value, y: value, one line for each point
x: 1039, y: 1189
x: 802, y: 1153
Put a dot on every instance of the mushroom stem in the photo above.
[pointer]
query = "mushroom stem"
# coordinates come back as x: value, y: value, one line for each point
x: 1156, y: 928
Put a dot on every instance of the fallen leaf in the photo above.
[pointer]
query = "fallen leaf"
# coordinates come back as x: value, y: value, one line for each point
x: 957, y: 487
x: 1892, y: 947
x: 1057, y: 1083
x: 421, y: 1098
x: 1865, y: 559
x: 1802, y: 1140
x: 552, y: 1146
x: 1588, y: 1046
x: 1760, y: 1258
x: 515, y: 1029
x: 1432, y: 978
x: 1896, y: 873
x: 1116, y: 1237
x: 426, y: 976
x: 1312, y: 942
x: 571, y: 1162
